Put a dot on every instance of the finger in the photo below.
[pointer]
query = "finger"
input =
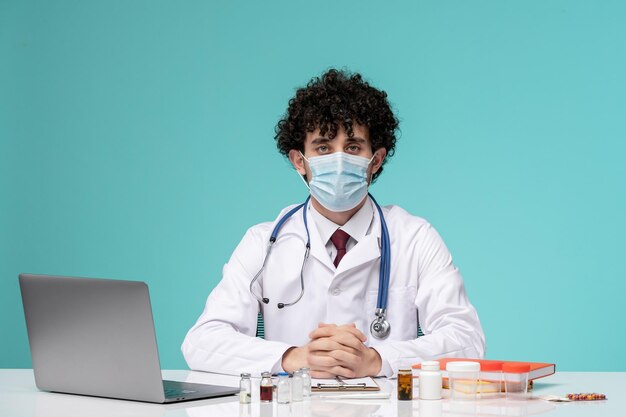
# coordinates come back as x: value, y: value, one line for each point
x: 327, y: 344
x: 328, y: 331
x: 318, y: 361
x: 333, y: 371
x: 358, y: 333
x: 348, y: 340
x: 321, y: 374
x: 353, y: 330
x: 345, y: 359
x: 334, y: 358
x: 344, y: 372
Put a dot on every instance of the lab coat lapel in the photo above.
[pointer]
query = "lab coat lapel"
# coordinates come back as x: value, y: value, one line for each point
x: 318, y: 249
x: 363, y: 252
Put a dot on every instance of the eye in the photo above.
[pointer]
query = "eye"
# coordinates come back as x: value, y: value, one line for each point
x: 353, y: 148
x: 322, y: 149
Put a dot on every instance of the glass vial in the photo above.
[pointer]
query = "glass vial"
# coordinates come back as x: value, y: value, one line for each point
x: 430, y: 381
x: 266, y: 387
x: 296, y: 386
x: 405, y: 384
x: 245, y: 389
x: 306, y: 383
x: 283, y: 388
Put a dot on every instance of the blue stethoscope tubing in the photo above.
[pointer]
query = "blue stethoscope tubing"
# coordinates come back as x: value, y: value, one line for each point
x: 379, y: 327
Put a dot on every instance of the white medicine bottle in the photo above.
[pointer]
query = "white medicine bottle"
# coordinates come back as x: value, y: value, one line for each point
x: 430, y: 381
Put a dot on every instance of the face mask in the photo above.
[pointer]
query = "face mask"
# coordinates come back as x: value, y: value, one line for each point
x: 339, y: 180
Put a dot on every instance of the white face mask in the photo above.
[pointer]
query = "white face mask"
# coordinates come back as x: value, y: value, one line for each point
x: 339, y: 180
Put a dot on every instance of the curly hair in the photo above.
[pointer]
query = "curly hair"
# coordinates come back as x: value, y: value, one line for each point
x: 337, y: 97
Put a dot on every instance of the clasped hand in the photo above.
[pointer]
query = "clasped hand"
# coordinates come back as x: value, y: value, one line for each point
x: 334, y: 350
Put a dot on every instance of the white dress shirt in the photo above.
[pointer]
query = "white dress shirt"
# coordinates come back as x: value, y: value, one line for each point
x: 357, y: 227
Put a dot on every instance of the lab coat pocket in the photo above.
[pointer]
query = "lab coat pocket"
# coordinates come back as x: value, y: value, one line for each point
x: 401, y: 312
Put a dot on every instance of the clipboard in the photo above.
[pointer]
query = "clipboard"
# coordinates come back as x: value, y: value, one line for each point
x: 339, y: 384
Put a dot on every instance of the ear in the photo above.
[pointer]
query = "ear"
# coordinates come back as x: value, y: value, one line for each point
x: 297, y: 161
x: 379, y: 158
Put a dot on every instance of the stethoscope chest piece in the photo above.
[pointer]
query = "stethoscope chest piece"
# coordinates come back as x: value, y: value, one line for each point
x: 380, y: 327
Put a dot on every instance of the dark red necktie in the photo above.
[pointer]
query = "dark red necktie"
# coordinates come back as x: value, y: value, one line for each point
x: 339, y: 239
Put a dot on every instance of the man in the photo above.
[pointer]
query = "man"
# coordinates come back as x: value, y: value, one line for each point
x: 338, y: 132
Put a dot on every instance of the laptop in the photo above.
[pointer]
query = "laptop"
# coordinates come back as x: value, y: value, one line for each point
x: 96, y: 337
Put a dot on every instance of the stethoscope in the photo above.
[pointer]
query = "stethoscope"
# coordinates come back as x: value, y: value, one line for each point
x: 379, y: 327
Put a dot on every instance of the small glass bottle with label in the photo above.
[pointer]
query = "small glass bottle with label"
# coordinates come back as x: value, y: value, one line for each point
x: 266, y: 387
x: 245, y: 389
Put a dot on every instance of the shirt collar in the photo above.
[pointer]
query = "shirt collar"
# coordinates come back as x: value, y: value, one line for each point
x: 357, y: 227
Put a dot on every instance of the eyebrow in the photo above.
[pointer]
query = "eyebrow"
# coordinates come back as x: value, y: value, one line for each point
x: 325, y: 140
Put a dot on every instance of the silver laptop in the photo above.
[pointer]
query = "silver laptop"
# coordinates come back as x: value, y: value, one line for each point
x: 96, y: 337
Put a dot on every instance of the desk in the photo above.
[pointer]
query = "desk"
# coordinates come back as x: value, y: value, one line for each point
x: 20, y: 398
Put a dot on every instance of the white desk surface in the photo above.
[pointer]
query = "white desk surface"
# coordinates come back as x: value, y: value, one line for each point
x: 19, y: 397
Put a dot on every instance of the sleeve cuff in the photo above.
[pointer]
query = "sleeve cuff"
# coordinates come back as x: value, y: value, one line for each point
x: 278, y: 365
x: 386, y: 367
x: 389, y: 357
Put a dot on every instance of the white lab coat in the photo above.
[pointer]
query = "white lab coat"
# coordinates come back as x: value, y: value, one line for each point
x: 423, y: 279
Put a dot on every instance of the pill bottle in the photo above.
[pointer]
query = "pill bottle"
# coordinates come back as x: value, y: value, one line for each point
x: 430, y: 381
x: 515, y: 376
x: 405, y: 384
x: 463, y: 376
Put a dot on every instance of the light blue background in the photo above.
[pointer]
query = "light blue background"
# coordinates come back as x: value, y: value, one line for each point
x: 136, y: 142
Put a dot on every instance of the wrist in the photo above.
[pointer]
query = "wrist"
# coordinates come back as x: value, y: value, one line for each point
x: 375, y: 362
x: 293, y: 359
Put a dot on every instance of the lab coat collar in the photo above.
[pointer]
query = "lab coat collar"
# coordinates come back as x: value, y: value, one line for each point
x: 366, y: 227
x: 367, y: 249
x: 357, y: 227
